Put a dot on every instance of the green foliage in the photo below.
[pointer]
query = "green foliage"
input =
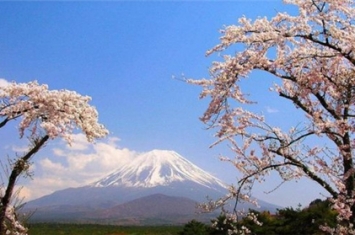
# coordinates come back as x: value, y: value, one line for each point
x: 194, y: 228
x: 294, y: 221
x: 95, y: 229
x: 287, y: 221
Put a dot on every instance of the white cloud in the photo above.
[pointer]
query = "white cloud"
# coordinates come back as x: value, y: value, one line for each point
x: 79, y: 142
x: 19, y: 149
x: 271, y: 110
x: 22, y: 192
x: 75, y: 166
x: 58, y: 152
x: 51, y: 166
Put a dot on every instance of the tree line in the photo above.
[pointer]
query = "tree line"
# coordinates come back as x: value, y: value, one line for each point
x: 286, y: 221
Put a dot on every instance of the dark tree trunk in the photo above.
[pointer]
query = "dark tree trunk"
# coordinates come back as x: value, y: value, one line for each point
x: 19, y: 167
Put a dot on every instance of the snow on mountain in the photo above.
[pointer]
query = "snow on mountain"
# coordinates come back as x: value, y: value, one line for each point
x: 158, y: 168
x: 160, y: 178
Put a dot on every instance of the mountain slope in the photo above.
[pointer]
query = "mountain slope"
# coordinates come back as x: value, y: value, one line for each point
x: 158, y: 171
x: 164, y: 174
x: 152, y: 206
x: 158, y: 168
x: 157, y: 209
x: 154, y: 209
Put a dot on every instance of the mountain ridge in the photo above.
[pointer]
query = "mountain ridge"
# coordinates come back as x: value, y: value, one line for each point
x: 157, y: 173
x: 155, y: 168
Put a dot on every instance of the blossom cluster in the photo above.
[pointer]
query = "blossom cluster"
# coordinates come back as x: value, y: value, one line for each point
x: 56, y: 112
x: 14, y: 227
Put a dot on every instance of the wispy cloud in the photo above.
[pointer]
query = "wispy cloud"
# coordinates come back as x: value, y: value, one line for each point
x: 75, y: 166
x: 271, y: 110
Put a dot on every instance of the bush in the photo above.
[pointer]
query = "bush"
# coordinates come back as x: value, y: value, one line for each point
x: 194, y: 228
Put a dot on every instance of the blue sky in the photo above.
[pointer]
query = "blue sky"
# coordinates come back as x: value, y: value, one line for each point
x: 124, y: 55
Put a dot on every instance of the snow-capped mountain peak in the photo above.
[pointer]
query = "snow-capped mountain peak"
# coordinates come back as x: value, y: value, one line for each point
x: 158, y: 168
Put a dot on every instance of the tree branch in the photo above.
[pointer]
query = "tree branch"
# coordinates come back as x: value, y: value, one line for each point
x: 306, y: 170
x: 19, y: 167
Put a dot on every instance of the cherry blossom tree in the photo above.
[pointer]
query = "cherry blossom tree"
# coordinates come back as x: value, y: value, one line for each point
x: 311, y: 55
x: 42, y: 115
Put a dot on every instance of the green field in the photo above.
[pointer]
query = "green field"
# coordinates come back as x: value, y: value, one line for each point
x: 94, y: 229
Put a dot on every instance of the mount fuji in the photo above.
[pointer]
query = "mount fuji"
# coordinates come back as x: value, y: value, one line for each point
x: 139, y: 184
x: 159, y: 168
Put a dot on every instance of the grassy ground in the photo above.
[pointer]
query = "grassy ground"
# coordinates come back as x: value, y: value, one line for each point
x: 94, y: 229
